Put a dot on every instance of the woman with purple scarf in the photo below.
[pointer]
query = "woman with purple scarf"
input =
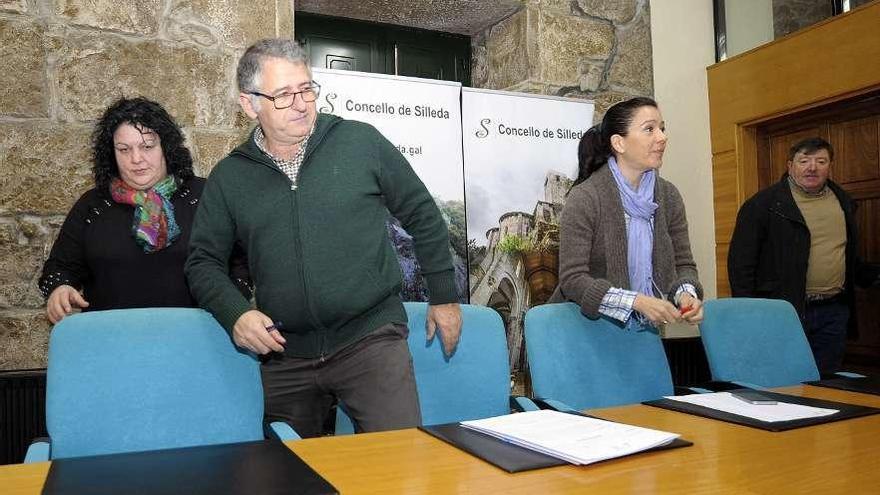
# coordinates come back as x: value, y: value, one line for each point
x: 124, y: 242
x: 624, y: 249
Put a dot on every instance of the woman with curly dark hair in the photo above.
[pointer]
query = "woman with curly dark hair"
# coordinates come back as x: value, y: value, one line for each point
x: 124, y: 243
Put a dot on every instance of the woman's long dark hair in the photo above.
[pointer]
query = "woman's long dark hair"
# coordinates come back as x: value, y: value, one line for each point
x: 139, y: 112
x: 595, y: 146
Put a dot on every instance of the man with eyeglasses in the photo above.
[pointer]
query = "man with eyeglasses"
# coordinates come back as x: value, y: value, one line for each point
x: 308, y: 196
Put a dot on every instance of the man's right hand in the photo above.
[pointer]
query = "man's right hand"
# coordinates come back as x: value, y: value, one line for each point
x: 62, y: 301
x: 256, y: 332
x: 659, y: 311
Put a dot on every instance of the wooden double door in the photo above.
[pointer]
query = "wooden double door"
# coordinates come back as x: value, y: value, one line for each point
x: 853, y: 129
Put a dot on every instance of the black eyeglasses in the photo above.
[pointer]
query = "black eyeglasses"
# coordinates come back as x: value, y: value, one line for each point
x: 285, y: 100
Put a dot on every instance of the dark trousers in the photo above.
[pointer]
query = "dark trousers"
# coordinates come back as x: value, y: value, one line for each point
x: 825, y: 324
x: 372, y: 376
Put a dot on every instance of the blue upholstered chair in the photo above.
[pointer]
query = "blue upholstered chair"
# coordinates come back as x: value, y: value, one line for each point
x: 145, y: 379
x: 473, y: 383
x: 756, y: 342
x: 579, y: 363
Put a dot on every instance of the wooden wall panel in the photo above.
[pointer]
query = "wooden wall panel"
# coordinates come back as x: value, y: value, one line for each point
x: 829, y: 60
x: 866, y: 348
x: 868, y: 221
x: 724, y: 173
x: 746, y: 162
x: 721, y: 278
x: 856, y: 146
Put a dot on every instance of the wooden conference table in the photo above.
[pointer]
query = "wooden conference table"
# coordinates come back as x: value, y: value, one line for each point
x: 840, y: 457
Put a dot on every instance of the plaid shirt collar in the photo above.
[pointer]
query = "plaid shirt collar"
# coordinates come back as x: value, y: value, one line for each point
x: 289, y: 167
x: 260, y: 141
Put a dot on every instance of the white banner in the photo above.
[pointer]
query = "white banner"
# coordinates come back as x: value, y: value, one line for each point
x: 511, y: 141
x: 520, y: 158
x: 422, y: 117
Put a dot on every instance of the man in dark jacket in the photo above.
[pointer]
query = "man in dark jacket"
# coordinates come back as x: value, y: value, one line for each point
x: 308, y: 197
x: 796, y: 240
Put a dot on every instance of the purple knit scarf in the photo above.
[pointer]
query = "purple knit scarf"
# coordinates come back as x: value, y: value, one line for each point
x: 640, y: 206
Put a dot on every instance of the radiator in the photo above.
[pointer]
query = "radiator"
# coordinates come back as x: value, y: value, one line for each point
x: 22, y: 412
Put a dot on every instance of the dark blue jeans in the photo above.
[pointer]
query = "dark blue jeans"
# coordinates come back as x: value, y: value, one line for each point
x: 825, y: 324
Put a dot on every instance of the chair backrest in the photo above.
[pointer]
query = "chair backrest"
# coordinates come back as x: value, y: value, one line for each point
x: 589, y: 363
x: 475, y: 382
x: 758, y: 341
x: 144, y: 379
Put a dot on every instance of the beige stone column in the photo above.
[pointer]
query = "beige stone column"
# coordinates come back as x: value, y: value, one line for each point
x: 593, y: 49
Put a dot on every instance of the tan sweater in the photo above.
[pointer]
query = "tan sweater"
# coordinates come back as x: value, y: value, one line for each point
x: 592, y: 236
x: 827, y: 263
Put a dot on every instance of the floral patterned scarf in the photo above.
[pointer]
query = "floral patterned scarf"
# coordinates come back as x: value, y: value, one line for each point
x: 153, y: 227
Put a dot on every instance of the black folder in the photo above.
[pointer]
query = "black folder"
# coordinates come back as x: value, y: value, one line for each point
x: 865, y: 385
x: 507, y: 456
x: 845, y: 411
x: 264, y: 467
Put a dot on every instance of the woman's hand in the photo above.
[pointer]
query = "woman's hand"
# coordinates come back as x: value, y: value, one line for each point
x: 658, y: 311
x: 62, y: 301
x: 691, y: 308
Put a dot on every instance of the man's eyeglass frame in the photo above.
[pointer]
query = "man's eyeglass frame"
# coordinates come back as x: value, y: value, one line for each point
x: 314, y: 89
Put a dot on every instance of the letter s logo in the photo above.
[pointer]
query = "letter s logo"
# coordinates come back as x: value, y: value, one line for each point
x: 485, y: 132
x: 329, y: 107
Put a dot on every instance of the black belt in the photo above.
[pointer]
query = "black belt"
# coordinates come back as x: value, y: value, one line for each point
x: 838, y: 298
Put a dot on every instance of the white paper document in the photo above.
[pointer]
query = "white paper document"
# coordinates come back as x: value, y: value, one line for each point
x: 770, y: 413
x: 573, y: 438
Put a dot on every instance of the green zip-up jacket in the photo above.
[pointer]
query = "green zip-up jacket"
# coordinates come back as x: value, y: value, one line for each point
x: 319, y: 255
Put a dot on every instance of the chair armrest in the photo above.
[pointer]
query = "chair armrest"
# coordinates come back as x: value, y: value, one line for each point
x: 522, y: 404
x: 38, y: 450
x: 282, y: 431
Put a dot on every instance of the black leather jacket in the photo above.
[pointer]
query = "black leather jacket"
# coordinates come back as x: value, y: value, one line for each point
x: 770, y: 248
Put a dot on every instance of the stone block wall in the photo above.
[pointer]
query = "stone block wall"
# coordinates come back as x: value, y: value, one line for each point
x: 61, y: 63
x: 593, y: 49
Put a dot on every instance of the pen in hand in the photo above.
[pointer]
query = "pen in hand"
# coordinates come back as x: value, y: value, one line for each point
x: 275, y: 326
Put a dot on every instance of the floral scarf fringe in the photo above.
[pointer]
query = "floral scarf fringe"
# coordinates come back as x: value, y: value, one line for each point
x: 154, y: 227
